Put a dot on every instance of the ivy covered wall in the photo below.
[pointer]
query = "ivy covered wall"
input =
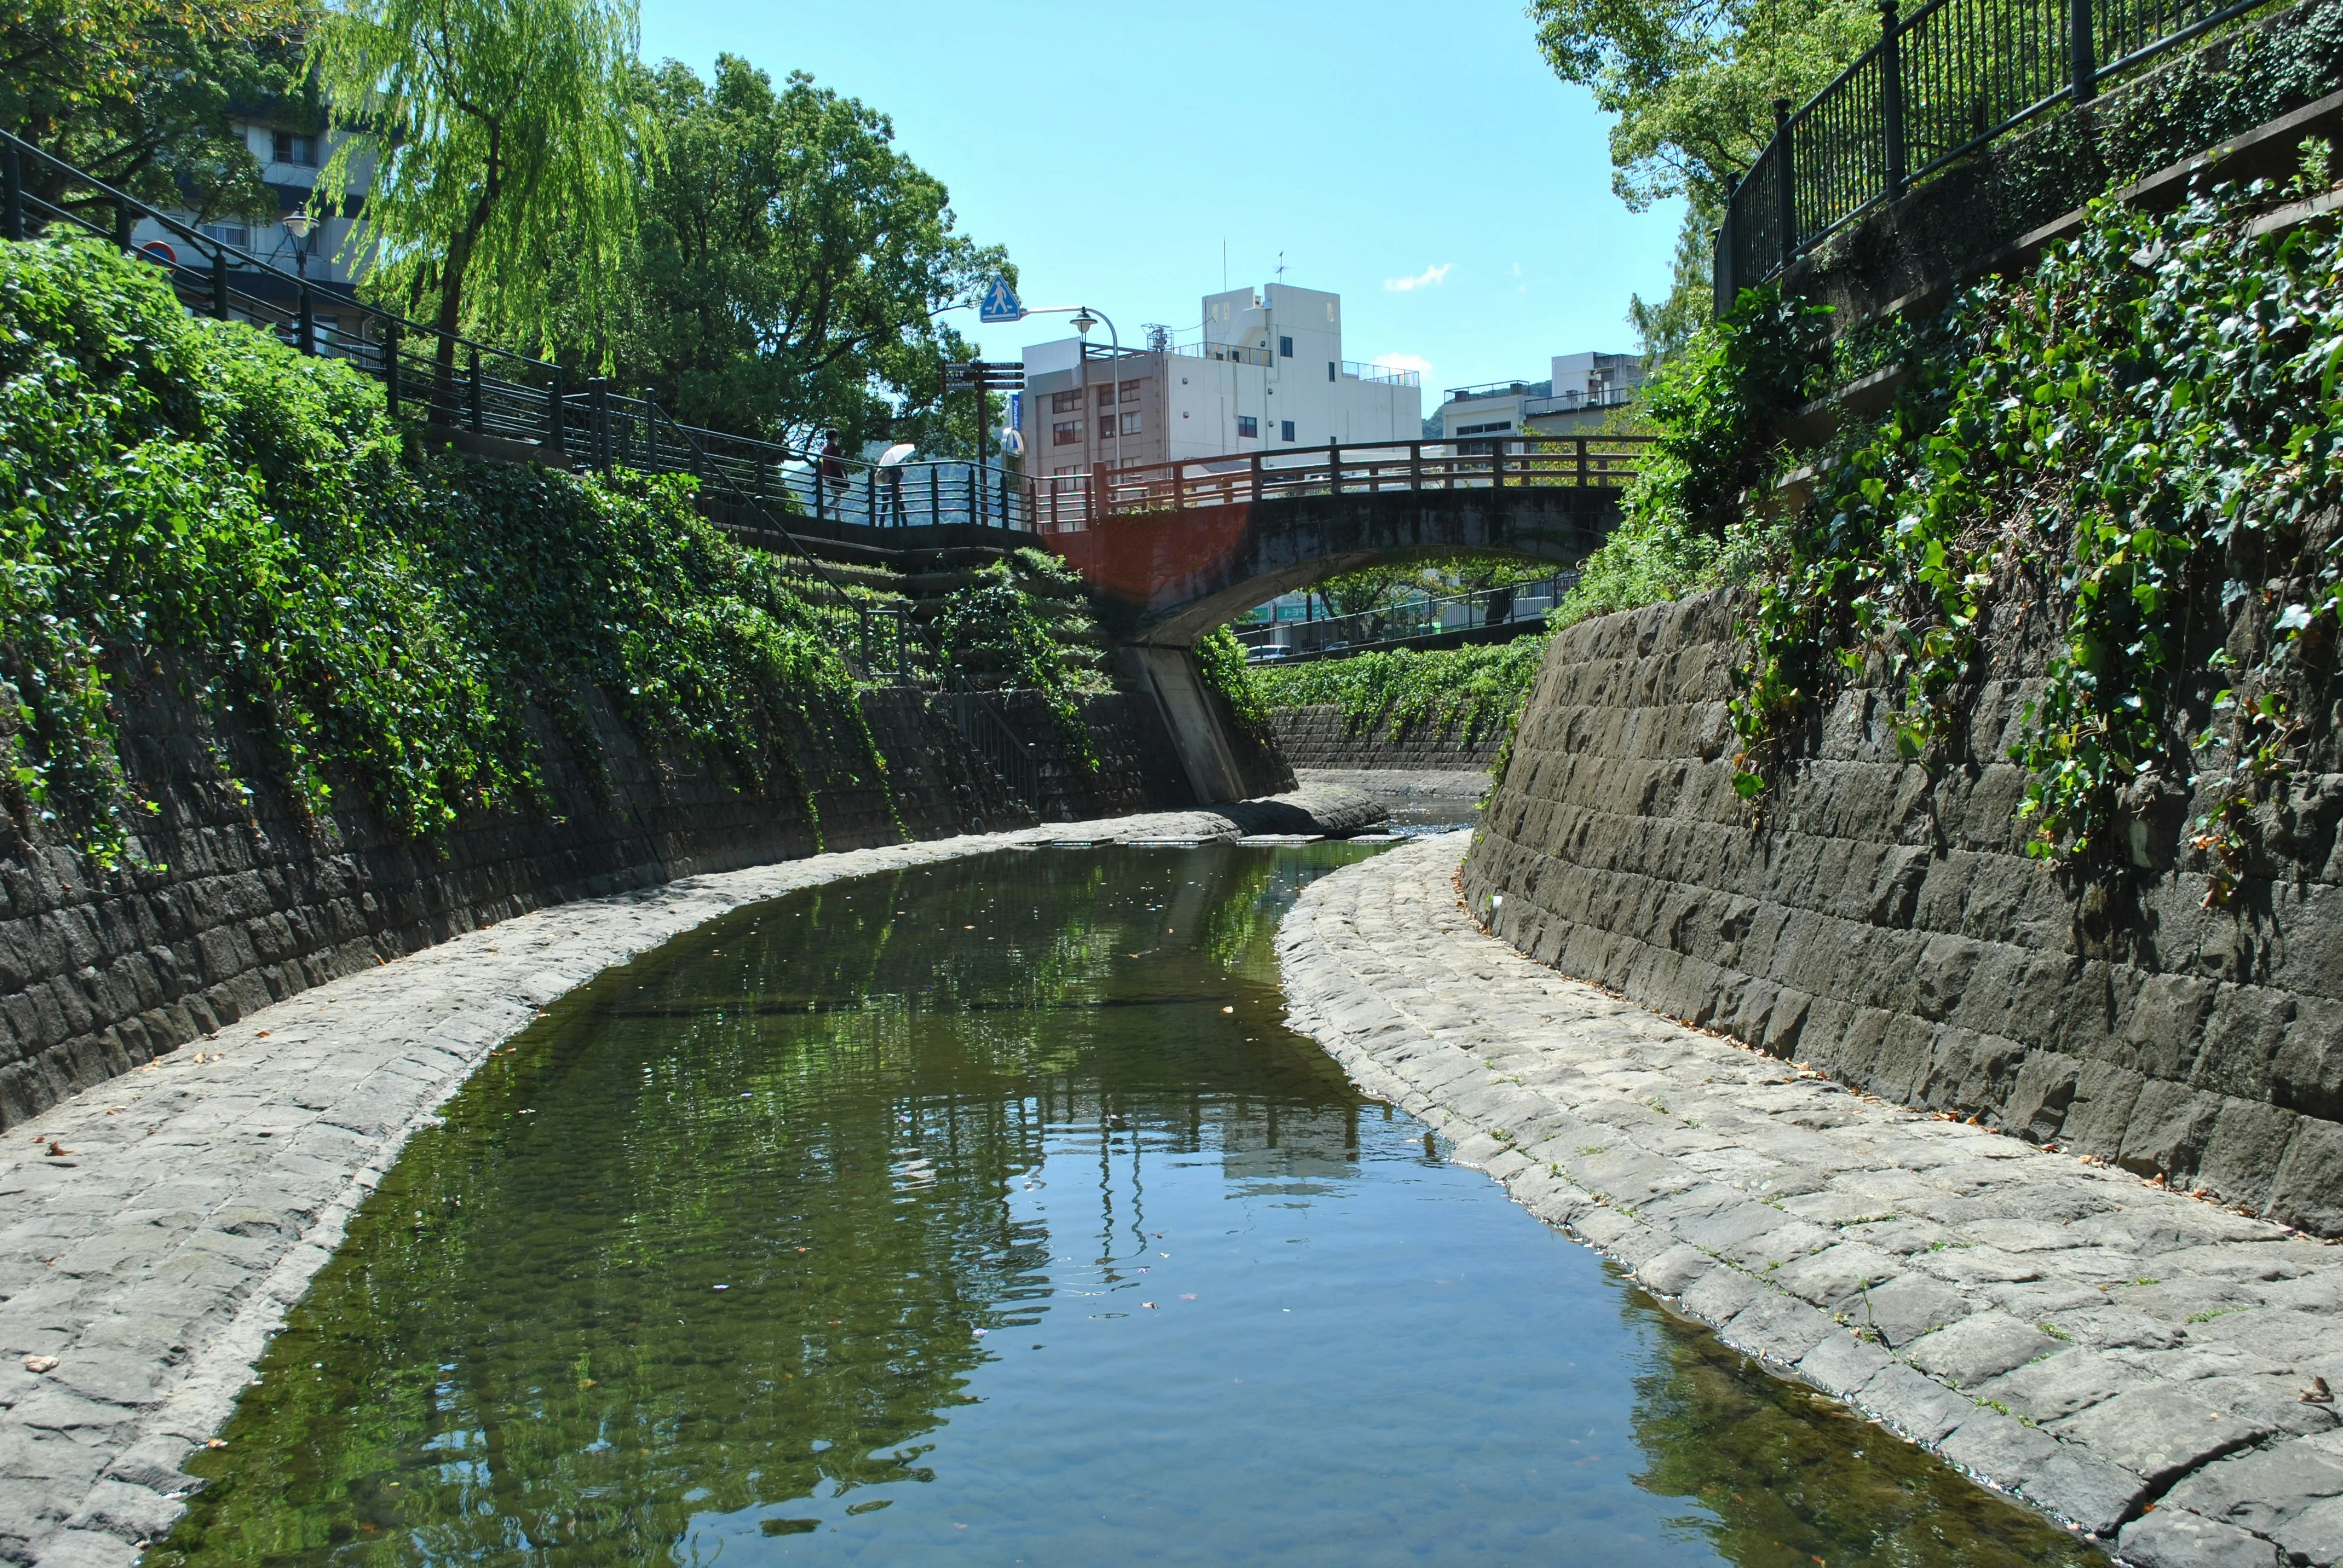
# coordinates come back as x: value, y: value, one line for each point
x: 2006, y: 779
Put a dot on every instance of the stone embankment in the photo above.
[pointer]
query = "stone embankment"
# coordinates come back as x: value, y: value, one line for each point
x: 1317, y: 736
x: 158, y: 1225
x: 2147, y: 1366
x: 1882, y: 919
x: 234, y: 898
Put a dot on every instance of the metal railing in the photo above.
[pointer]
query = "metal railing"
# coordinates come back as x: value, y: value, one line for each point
x: 1940, y: 84
x: 1389, y: 374
x: 1067, y: 503
x: 982, y: 726
x: 444, y: 380
x: 1525, y: 605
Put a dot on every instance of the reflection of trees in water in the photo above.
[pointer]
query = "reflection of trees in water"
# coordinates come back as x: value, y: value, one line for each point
x: 1788, y: 1477
x: 820, y: 1105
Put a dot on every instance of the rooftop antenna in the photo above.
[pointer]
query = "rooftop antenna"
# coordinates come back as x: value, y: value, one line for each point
x: 1281, y: 267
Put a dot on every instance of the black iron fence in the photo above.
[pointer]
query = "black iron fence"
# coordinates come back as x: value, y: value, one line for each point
x: 1524, y: 605
x: 443, y: 379
x: 1941, y: 83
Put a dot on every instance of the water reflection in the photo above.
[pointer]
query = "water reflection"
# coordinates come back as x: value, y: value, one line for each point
x: 989, y: 1214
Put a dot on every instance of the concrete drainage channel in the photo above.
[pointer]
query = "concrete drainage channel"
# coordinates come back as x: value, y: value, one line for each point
x: 2151, y: 1369
x: 162, y: 1222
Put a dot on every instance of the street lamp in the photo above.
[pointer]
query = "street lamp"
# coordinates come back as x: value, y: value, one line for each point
x: 298, y: 223
x: 1084, y: 320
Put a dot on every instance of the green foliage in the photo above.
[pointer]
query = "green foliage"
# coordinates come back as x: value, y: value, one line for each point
x: 1693, y: 82
x: 138, y: 92
x: 1463, y: 691
x: 502, y: 136
x: 2141, y: 433
x: 1220, y: 661
x: 1653, y: 556
x: 1716, y: 406
x: 792, y: 264
x: 996, y: 631
x: 193, y: 501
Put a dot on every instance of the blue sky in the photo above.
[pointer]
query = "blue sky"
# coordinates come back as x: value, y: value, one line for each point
x: 1419, y: 159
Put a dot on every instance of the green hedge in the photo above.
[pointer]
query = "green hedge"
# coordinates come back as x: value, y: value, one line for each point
x: 189, y: 500
x: 1464, y: 691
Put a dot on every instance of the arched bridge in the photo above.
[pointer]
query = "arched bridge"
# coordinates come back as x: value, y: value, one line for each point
x: 1190, y: 544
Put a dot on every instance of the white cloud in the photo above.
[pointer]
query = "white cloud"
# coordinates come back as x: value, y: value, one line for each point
x: 1415, y: 362
x: 1430, y: 278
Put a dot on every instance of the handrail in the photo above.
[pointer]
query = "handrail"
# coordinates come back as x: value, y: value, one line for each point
x: 1524, y: 604
x: 479, y: 389
x: 1940, y: 84
x: 1072, y: 503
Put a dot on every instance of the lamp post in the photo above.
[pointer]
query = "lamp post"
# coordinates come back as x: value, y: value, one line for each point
x: 298, y: 225
x: 1084, y: 320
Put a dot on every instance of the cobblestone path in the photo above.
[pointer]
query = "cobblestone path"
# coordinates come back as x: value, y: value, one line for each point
x: 2145, y: 1365
x: 154, y: 1228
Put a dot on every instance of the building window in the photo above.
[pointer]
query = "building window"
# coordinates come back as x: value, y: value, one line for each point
x: 1131, y: 423
x: 1285, y: 348
x: 1248, y: 427
x: 288, y: 148
x: 1106, y: 397
x: 1066, y: 433
x: 1285, y: 430
x: 1066, y: 402
x: 1330, y: 370
x: 232, y: 234
x: 1130, y: 390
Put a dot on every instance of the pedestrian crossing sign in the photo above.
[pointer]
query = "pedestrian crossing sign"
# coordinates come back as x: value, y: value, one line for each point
x: 1000, y: 304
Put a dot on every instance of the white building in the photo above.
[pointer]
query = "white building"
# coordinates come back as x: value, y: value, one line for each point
x: 1577, y: 397
x: 1267, y: 372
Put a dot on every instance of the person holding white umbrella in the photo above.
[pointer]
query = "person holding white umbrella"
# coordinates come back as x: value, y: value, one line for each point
x: 890, y: 472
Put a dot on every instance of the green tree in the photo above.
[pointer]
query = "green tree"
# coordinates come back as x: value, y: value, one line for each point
x: 505, y: 137
x: 792, y: 264
x: 138, y: 93
x: 1693, y: 82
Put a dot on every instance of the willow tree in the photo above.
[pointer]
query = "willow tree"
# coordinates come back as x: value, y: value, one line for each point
x: 496, y: 141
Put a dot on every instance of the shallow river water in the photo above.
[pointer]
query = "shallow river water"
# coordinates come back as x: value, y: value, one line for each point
x: 988, y: 1214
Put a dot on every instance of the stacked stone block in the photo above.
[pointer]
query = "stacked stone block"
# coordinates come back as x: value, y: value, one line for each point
x: 1881, y: 921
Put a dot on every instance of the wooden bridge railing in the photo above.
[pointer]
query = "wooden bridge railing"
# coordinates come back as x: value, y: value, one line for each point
x: 1066, y: 502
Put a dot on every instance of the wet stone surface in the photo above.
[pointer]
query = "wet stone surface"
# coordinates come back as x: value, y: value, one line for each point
x: 2139, y: 1362
x: 154, y: 1228
x: 987, y: 1213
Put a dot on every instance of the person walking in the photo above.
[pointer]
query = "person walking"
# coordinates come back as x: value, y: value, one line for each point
x: 833, y: 470
x: 890, y: 474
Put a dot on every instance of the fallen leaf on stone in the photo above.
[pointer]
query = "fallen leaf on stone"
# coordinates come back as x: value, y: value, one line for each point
x: 58, y: 1150
x: 216, y: 1443
x: 260, y: 1034
x: 40, y: 1363
x: 2316, y: 1394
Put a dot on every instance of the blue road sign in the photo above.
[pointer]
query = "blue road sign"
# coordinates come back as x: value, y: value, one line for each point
x: 1000, y: 304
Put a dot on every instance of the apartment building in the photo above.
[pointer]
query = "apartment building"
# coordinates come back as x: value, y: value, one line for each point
x: 1577, y: 396
x: 1266, y: 371
x: 291, y: 150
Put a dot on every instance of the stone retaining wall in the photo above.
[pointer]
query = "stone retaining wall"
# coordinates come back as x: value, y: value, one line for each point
x: 1885, y: 927
x: 100, y: 973
x: 1315, y: 736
